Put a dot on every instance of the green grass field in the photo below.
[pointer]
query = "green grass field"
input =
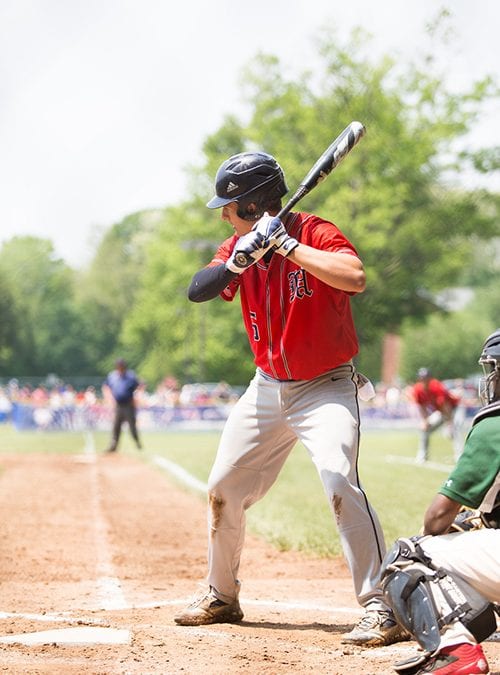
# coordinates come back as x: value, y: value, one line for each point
x: 295, y: 513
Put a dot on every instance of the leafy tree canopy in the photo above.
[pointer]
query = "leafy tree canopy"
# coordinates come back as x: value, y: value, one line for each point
x: 393, y: 196
x: 47, y: 325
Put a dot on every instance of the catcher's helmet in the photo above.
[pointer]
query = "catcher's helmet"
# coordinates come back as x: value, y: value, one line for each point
x: 490, y: 363
x: 249, y: 178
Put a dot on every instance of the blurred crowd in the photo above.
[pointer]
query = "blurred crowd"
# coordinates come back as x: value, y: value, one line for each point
x: 390, y: 402
x: 169, y: 393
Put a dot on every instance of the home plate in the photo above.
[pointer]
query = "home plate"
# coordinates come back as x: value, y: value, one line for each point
x: 71, y: 636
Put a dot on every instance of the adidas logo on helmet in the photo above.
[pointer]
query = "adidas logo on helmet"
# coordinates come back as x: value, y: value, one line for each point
x: 231, y: 186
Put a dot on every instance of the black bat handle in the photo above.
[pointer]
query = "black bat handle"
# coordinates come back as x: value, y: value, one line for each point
x: 300, y: 192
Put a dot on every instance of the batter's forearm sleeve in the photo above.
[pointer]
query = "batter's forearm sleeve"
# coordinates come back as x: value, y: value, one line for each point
x: 209, y: 282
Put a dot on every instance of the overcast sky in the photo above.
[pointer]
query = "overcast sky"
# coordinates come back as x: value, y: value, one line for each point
x: 104, y: 103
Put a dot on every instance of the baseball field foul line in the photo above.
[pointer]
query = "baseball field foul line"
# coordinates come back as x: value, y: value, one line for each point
x: 435, y: 466
x: 108, y: 585
x: 47, y: 618
x: 180, y: 473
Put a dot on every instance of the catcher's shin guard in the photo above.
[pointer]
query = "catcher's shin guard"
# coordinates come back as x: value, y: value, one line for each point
x: 426, y: 599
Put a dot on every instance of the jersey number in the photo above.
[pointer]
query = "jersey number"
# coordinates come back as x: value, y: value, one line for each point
x: 255, y: 328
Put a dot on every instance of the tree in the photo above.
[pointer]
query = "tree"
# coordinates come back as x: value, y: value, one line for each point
x: 8, y: 325
x: 451, y: 342
x: 107, y: 288
x: 47, y: 336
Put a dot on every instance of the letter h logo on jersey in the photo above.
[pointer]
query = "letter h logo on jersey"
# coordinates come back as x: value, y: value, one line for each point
x: 297, y: 284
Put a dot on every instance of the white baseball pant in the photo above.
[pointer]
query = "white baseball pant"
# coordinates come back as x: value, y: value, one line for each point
x: 259, y: 434
x: 473, y: 556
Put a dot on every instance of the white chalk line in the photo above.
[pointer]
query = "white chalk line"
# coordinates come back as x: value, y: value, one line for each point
x: 271, y: 604
x: 180, y: 473
x: 189, y: 480
x: 309, y: 607
x: 109, y: 589
x: 51, y: 618
x: 435, y: 466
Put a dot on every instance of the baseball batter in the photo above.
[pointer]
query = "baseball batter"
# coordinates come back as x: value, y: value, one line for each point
x: 295, y: 280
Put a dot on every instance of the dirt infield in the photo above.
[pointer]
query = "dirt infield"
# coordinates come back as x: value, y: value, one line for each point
x: 99, y: 552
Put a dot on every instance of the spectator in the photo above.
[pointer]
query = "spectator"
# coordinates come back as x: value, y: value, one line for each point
x: 222, y: 392
x: 437, y: 405
x: 122, y: 383
x: 5, y: 405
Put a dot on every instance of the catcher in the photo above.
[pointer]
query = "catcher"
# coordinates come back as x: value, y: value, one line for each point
x: 443, y: 586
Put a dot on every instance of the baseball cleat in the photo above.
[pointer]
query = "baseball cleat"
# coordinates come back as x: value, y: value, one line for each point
x: 376, y: 629
x: 208, y: 609
x: 462, y: 659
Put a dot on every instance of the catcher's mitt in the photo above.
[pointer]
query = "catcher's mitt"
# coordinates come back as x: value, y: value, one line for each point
x: 466, y: 520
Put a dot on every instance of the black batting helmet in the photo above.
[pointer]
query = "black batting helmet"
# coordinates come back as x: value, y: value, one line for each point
x: 490, y: 363
x: 249, y: 178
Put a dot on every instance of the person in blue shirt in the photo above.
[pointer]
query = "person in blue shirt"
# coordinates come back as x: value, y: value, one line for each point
x: 122, y: 383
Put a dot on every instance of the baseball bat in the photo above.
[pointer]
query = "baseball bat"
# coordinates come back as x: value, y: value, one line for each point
x: 328, y: 161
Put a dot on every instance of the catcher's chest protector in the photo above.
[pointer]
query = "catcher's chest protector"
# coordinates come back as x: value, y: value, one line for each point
x: 425, y: 599
x: 491, y: 518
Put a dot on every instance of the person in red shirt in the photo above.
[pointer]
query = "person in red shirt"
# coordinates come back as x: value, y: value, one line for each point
x: 437, y: 406
x: 295, y: 279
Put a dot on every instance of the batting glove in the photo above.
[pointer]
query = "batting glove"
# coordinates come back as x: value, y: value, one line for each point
x: 248, y: 250
x: 274, y: 232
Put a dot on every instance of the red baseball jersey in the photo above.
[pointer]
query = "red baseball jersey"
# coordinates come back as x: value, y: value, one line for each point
x: 298, y: 326
x: 434, y: 396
